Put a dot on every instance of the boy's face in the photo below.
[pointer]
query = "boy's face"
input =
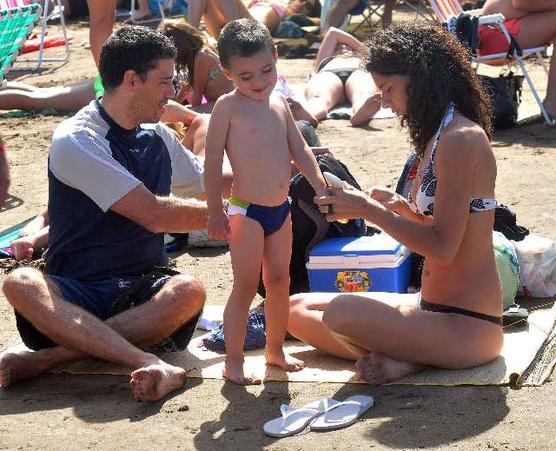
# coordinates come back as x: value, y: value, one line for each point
x: 254, y: 76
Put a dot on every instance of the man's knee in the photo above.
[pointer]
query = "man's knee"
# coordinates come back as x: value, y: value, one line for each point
x: 18, y: 283
x: 187, y: 291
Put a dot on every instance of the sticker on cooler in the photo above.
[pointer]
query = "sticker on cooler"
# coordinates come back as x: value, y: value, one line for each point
x: 352, y: 281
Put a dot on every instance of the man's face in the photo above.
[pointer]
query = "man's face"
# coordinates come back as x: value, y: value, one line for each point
x: 151, y: 96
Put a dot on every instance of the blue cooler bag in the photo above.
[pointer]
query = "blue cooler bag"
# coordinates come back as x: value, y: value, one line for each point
x: 367, y: 263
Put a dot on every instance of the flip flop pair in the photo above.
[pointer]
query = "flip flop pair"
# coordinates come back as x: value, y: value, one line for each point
x: 324, y: 415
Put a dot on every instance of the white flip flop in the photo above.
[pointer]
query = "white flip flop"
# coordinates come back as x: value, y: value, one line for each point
x: 343, y: 414
x: 294, y: 420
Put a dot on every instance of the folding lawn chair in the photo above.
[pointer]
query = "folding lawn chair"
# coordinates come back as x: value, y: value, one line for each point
x: 374, y: 8
x: 444, y: 9
x: 50, y: 10
x: 16, y: 24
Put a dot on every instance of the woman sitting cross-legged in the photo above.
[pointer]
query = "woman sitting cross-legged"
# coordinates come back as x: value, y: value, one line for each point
x: 425, y: 76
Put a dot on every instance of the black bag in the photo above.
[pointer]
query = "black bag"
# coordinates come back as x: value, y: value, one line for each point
x: 505, y: 97
x: 309, y: 227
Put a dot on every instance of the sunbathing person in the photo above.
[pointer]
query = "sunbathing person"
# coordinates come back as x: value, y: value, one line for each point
x: 338, y: 78
x: 456, y: 321
x: 532, y: 24
x: 197, y: 64
x: 217, y: 13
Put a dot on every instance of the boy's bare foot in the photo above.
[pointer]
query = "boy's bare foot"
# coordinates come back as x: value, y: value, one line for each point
x: 284, y: 361
x: 153, y: 382
x: 300, y: 113
x: 234, y: 372
x: 380, y: 369
x: 20, y: 365
x: 365, y: 113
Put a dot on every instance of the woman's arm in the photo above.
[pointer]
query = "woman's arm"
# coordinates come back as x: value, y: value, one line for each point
x: 332, y: 39
x: 440, y: 240
x: 200, y: 78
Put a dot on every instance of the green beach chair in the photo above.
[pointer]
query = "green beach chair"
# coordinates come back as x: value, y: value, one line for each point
x: 16, y: 24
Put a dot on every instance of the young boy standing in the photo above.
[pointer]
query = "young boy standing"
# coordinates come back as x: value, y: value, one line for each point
x: 257, y: 129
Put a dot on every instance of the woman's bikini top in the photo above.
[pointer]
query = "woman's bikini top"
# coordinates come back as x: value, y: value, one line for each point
x: 424, y: 198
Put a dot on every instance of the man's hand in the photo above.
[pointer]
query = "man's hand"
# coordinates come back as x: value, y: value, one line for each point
x: 22, y: 248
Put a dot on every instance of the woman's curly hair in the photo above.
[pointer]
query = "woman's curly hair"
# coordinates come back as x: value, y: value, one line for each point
x: 440, y: 72
x: 188, y: 41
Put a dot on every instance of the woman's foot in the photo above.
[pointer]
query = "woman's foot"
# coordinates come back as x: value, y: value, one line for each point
x: 284, y: 361
x: 300, y: 113
x: 381, y: 369
x: 234, y: 372
x: 365, y: 112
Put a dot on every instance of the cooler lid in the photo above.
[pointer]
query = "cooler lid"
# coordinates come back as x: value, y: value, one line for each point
x: 378, y: 244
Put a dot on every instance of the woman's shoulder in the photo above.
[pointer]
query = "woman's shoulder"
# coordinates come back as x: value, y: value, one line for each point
x: 463, y: 138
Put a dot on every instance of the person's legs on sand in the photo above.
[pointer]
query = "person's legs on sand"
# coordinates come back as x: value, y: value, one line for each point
x: 364, y: 97
x: 538, y: 29
x: 276, y: 278
x: 102, y: 15
x: 360, y: 327
x: 322, y: 91
x: 39, y: 300
x: 246, y: 249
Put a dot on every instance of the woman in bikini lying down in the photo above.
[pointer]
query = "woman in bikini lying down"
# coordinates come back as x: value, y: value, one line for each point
x: 424, y: 75
x: 337, y: 78
x: 217, y: 13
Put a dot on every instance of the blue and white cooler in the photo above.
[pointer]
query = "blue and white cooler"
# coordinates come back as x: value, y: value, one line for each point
x: 367, y: 263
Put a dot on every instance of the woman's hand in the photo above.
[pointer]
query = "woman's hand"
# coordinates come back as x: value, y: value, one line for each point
x: 346, y: 203
x: 389, y: 199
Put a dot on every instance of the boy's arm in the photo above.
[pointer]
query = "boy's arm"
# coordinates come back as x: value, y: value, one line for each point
x: 302, y: 155
x: 219, y: 124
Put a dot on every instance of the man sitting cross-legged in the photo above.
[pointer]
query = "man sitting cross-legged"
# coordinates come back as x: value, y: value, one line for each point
x: 109, y: 202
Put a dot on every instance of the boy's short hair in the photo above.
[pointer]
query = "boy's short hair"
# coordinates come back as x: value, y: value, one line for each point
x: 132, y: 48
x: 243, y: 38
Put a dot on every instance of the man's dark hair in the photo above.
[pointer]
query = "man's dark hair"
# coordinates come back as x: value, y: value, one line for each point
x: 132, y: 48
x: 243, y: 38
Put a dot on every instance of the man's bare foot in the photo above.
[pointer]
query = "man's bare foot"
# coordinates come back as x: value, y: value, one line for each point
x: 380, y: 369
x: 153, y: 382
x: 284, y: 361
x: 365, y: 113
x: 300, y: 113
x: 234, y: 372
x: 20, y: 364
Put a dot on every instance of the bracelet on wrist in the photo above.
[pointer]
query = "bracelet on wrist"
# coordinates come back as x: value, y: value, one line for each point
x: 2, y: 148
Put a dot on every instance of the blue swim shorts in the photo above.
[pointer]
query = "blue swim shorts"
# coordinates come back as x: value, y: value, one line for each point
x: 271, y: 219
x: 107, y: 298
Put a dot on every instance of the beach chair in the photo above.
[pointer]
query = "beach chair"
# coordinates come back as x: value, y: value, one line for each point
x: 16, y: 24
x: 444, y: 9
x: 50, y: 10
x: 374, y: 8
